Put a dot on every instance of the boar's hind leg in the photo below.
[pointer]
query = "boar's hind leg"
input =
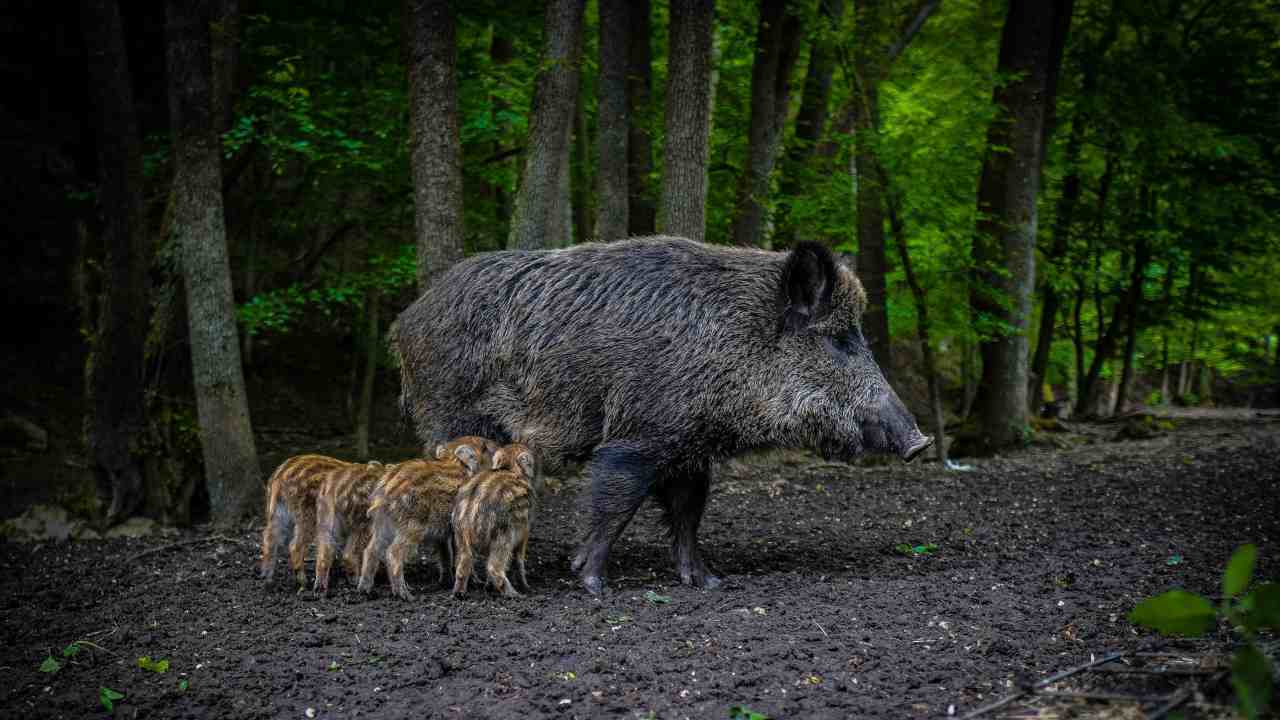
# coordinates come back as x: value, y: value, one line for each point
x: 684, y: 499
x: 621, y: 478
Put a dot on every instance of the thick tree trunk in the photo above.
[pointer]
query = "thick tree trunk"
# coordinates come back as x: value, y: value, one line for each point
x: 501, y: 52
x: 373, y: 341
x: 115, y: 418
x: 642, y: 210
x: 687, y: 119
x: 1004, y: 245
x: 540, y: 214
x: 1077, y: 339
x: 435, y: 145
x: 970, y: 386
x: 777, y: 46
x: 231, y: 466
x: 811, y: 119
x: 612, y: 197
x: 873, y: 264
x: 583, y: 224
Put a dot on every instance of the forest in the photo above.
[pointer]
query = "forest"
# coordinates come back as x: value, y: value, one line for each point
x: 1065, y: 216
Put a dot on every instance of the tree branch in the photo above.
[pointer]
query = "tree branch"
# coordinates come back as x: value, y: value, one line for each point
x: 909, y: 31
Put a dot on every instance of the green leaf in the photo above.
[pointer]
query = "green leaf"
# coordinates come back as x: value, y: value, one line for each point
x: 655, y: 598
x: 1174, y: 560
x: 183, y: 685
x: 50, y: 665
x: 1176, y: 612
x: 740, y: 712
x: 108, y: 698
x: 1263, y: 606
x: 1251, y: 677
x: 159, y: 666
x: 1239, y: 570
x: 71, y: 650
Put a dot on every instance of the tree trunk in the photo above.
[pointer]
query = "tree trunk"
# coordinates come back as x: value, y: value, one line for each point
x: 642, y: 211
x: 373, y: 341
x: 1067, y: 202
x: 687, y: 119
x: 540, y: 214
x: 966, y: 369
x: 612, y: 197
x: 115, y: 418
x: 1133, y: 304
x: 583, y: 225
x: 501, y: 52
x: 1004, y: 245
x: 922, y: 319
x: 435, y: 145
x: 1077, y: 339
x: 777, y: 46
x: 225, y: 47
x: 811, y: 120
x: 231, y: 466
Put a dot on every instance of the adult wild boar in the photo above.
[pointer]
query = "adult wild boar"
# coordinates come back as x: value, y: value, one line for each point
x: 652, y: 358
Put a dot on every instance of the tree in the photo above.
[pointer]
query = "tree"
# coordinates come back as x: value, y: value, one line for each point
x: 1004, y: 244
x: 541, y: 214
x: 115, y: 418
x: 777, y: 47
x: 688, y: 119
x: 612, y: 213
x: 230, y: 458
x: 811, y: 119
x: 435, y: 152
x: 642, y: 211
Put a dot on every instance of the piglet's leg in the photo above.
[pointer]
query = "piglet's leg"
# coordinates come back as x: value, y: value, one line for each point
x: 304, y: 533
x: 684, y: 499
x: 383, y: 533
x: 621, y: 477
x: 328, y: 534
x: 522, y: 549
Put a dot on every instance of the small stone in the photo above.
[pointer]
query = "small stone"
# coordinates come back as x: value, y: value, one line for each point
x: 311, y: 712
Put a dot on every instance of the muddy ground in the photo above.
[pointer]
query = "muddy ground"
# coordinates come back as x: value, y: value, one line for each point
x: 1040, y: 556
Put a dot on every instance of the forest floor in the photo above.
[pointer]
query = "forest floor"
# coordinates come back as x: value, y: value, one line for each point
x: 1039, y: 558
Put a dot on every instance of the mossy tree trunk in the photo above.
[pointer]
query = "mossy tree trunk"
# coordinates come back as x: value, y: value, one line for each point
x: 687, y: 119
x: 232, y: 474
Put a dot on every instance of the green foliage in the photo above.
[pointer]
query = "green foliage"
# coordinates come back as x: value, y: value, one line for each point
x: 157, y: 666
x: 50, y: 665
x: 742, y: 712
x: 109, y: 697
x: 1178, y: 612
x: 915, y: 550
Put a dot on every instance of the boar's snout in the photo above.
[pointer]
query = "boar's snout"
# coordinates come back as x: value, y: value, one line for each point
x: 919, y: 445
x: 897, y: 431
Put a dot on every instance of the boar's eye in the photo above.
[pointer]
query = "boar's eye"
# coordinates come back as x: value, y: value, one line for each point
x: 845, y: 346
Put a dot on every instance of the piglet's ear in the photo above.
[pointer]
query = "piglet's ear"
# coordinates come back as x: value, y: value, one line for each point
x: 441, y: 451
x: 499, y: 459
x: 468, y: 457
x: 525, y: 461
x: 808, y: 278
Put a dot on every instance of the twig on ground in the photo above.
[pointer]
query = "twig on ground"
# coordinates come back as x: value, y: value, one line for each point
x: 824, y: 632
x: 171, y: 546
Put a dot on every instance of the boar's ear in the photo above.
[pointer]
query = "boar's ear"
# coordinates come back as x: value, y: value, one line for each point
x: 808, y: 278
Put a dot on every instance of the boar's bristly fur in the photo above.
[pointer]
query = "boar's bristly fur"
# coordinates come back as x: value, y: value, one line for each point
x: 653, y: 358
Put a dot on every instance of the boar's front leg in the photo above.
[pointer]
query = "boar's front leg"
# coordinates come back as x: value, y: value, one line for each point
x: 684, y: 499
x: 621, y: 477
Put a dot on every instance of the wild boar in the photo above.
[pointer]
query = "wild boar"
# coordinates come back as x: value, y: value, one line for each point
x: 291, y: 511
x: 652, y: 358
x: 410, y: 505
x: 342, y: 507
x: 491, y: 515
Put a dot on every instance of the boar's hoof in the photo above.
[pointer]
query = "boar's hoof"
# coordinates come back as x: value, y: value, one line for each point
x: 593, y: 583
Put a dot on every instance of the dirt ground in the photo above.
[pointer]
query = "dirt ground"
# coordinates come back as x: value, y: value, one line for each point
x: 1039, y: 558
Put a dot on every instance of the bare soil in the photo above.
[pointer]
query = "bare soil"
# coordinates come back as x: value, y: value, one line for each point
x: 1039, y: 558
